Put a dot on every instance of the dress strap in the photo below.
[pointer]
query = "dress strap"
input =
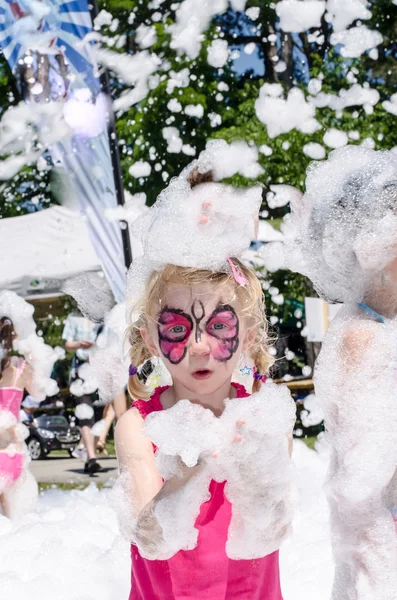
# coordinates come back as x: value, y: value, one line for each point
x: 18, y: 371
x: 371, y: 312
x: 145, y: 407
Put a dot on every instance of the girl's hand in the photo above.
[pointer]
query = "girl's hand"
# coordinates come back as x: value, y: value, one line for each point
x: 238, y: 436
x: 178, y: 481
x: 239, y: 430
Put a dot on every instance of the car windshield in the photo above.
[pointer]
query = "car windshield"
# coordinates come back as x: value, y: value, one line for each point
x: 46, y: 422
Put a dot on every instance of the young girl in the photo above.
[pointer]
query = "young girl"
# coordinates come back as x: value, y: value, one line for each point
x: 201, y: 311
x: 346, y: 242
x: 18, y: 489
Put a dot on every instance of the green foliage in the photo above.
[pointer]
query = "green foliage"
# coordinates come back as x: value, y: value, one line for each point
x: 229, y: 109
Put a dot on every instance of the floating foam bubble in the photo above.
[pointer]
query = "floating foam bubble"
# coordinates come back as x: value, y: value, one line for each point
x: 218, y: 53
x: 109, y: 358
x: 82, y: 411
x: 300, y: 15
x: 342, y: 14
x: 282, y: 115
x: 356, y: 41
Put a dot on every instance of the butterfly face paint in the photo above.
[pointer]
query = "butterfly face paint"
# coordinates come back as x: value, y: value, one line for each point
x: 174, y: 330
x: 223, y: 330
x: 198, y: 312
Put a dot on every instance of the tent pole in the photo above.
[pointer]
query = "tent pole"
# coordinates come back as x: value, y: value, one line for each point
x: 114, y: 152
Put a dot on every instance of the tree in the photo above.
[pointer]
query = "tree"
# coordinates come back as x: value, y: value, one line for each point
x: 194, y: 101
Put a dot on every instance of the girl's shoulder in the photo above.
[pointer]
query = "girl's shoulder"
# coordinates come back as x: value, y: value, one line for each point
x: 240, y: 390
x: 145, y: 407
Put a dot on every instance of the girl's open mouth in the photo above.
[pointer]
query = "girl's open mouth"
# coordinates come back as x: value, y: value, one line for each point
x: 202, y: 374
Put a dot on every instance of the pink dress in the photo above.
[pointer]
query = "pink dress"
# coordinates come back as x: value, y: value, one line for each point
x: 205, y: 573
x: 11, y: 465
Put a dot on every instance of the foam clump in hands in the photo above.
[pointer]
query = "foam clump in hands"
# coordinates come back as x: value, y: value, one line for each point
x: 344, y: 229
x: 247, y: 446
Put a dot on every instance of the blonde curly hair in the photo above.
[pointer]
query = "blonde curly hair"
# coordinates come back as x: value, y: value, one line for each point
x: 250, y: 299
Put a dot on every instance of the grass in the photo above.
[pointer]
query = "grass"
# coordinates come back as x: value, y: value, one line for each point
x: 309, y: 441
x: 44, y: 486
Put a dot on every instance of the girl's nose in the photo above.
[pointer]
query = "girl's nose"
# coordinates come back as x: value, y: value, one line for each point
x: 199, y: 347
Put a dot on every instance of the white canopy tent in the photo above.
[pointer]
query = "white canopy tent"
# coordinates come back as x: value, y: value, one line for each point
x: 40, y: 250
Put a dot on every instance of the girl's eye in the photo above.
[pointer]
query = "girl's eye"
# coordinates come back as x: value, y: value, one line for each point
x: 178, y: 329
x: 218, y: 326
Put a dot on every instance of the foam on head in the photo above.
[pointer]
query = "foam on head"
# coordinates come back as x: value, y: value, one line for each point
x: 343, y: 232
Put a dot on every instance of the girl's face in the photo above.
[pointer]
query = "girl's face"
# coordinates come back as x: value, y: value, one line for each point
x: 200, y: 335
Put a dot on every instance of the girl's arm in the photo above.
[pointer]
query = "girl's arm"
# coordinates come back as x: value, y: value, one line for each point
x: 361, y: 415
x: 26, y: 380
x: 141, y: 483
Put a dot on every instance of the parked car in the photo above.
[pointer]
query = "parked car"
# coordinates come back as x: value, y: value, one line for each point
x: 51, y: 432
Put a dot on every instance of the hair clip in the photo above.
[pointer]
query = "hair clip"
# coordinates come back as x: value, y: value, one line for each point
x: 132, y: 370
x: 238, y: 275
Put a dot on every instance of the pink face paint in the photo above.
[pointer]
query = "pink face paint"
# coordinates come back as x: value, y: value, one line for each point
x: 223, y: 329
x: 174, y: 330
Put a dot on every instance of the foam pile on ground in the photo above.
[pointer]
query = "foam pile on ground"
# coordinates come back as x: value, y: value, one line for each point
x: 51, y: 542
x: 257, y: 469
x: 306, y: 563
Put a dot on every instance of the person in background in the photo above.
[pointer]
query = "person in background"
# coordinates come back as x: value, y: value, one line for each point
x: 18, y: 488
x: 113, y: 410
x: 80, y: 335
x: 28, y: 408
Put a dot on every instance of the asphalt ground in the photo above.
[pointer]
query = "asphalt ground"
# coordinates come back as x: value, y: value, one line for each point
x: 66, y: 470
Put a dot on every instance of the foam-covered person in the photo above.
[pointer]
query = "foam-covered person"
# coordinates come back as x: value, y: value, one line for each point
x: 205, y: 488
x: 343, y: 236
x: 18, y: 488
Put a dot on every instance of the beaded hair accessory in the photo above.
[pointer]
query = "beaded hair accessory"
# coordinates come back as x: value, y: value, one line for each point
x: 132, y: 370
x: 259, y: 376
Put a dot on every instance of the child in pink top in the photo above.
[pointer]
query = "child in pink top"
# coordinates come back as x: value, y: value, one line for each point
x: 200, y: 322
x: 17, y: 490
